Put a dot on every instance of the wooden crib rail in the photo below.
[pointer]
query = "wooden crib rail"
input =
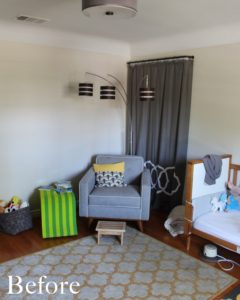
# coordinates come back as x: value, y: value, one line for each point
x: 235, y: 168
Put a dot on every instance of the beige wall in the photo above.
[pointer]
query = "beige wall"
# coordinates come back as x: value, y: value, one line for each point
x: 215, y: 122
x: 47, y: 131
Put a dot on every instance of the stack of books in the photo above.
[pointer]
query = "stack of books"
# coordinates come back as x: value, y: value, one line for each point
x: 59, y: 187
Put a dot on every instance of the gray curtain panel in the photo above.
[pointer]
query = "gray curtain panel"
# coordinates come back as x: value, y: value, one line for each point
x: 158, y: 129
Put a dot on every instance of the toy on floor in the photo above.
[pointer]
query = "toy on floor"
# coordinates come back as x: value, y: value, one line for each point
x: 24, y: 204
x: 3, y: 204
x: 13, y: 205
x: 219, y: 205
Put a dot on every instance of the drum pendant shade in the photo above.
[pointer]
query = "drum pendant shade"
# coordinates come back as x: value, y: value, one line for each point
x: 117, y: 9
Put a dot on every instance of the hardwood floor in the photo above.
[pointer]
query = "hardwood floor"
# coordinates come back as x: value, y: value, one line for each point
x: 156, y: 229
x: 31, y: 241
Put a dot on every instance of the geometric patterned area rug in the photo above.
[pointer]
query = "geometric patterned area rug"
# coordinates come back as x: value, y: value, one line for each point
x: 143, y: 268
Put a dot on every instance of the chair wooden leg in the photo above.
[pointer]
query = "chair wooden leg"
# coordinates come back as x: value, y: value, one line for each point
x: 90, y: 221
x: 140, y: 225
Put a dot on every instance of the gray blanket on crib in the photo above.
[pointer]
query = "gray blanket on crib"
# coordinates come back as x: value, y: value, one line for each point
x: 213, y: 168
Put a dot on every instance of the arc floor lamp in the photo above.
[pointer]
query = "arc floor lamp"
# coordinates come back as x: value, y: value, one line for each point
x: 108, y: 92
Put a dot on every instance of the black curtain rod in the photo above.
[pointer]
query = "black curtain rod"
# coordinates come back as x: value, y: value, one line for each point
x: 159, y: 59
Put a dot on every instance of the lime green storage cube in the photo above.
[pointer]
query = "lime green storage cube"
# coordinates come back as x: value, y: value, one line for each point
x: 58, y: 213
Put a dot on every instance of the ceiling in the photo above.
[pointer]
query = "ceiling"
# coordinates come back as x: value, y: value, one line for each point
x: 155, y: 18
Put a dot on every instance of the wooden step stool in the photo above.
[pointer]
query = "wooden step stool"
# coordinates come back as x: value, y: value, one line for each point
x: 111, y: 228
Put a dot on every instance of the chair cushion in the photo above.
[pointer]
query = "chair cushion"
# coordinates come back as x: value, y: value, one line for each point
x: 127, y: 196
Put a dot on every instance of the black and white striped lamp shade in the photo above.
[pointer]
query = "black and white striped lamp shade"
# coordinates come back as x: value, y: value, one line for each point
x: 107, y: 92
x: 85, y: 89
x: 147, y: 94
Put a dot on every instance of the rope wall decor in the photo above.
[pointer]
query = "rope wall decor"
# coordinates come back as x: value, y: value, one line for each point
x: 160, y: 178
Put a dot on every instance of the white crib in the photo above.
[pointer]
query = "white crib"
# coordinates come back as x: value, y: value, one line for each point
x: 220, y: 228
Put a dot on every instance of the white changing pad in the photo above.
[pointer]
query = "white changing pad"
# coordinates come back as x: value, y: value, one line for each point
x: 224, y: 225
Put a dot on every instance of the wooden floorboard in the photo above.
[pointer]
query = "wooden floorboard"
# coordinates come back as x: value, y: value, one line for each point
x: 31, y: 241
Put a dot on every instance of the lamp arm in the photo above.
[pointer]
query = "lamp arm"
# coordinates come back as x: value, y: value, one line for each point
x: 124, y: 100
x: 110, y: 82
x: 119, y: 82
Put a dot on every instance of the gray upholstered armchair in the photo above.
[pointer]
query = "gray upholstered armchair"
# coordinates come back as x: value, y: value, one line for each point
x: 126, y: 203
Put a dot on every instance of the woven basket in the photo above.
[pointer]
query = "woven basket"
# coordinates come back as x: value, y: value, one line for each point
x: 16, y: 221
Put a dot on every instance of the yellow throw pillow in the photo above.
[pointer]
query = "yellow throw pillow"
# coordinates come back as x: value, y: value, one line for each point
x: 116, y: 167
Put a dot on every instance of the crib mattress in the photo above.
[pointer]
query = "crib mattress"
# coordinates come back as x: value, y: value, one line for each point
x: 224, y: 225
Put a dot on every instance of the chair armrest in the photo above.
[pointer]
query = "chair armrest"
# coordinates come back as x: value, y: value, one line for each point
x: 145, y: 181
x: 145, y: 193
x: 86, y: 185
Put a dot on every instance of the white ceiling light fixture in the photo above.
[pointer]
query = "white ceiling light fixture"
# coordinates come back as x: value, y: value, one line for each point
x: 117, y: 9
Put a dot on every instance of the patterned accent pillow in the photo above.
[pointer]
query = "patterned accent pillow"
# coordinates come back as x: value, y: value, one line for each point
x: 110, y: 179
x: 114, y: 167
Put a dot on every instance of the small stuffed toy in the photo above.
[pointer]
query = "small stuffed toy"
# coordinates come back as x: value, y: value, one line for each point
x: 223, y: 197
x: 233, y: 201
x: 219, y: 205
x: 3, y: 204
x: 24, y: 204
x: 235, y: 190
x: 13, y: 205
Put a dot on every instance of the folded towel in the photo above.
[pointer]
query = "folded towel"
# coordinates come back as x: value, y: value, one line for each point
x: 175, y: 221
